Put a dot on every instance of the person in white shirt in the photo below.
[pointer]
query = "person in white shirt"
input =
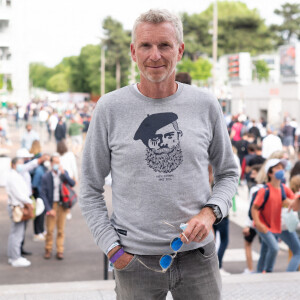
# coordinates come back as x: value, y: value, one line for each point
x: 17, y: 191
x: 270, y: 143
x: 28, y: 137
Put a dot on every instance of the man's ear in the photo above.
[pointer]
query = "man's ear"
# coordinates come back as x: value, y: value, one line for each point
x: 180, y: 51
x: 132, y: 50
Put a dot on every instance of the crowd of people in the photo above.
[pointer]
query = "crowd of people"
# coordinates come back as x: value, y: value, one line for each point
x: 37, y: 174
x: 270, y: 168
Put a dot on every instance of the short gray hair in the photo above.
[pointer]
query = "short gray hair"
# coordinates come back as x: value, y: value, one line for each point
x: 156, y: 16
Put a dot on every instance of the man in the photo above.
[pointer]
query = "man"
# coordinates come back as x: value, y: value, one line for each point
x: 55, y: 213
x: 183, y: 130
x: 60, y: 130
x: 28, y: 137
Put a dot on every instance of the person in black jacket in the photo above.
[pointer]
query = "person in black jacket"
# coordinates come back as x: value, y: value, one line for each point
x: 60, y: 130
x: 55, y: 213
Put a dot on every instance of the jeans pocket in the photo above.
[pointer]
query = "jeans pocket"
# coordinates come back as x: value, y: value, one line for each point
x: 129, y: 264
x: 207, y: 251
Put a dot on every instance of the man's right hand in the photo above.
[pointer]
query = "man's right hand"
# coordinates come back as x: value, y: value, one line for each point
x: 122, y: 261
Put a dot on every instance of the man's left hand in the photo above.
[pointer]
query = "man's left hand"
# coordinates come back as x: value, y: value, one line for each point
x: 199, y: 226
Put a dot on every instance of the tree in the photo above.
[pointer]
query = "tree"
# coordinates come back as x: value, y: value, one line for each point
x: 200, y: 70
x: 239, y: 30
x: 39, y: 74
x: 58, y: 83
x: 117, y: 42
x: 262, y: 70
x: 290, y: 28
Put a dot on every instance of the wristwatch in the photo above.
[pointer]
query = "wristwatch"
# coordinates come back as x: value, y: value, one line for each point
x: 217, y: 212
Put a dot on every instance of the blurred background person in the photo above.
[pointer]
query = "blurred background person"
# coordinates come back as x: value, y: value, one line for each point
x: 60, y: 130
x: 36, y: 149
x: 56, y: 214
x: 271, y: 142
x: 75, y: 133
x: 28, y: 137
x: 17, y: 191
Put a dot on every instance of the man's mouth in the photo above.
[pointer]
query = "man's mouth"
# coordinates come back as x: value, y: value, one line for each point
x: 155, y: 67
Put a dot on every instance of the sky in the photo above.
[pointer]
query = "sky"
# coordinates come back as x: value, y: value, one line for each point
x: 60, y: 28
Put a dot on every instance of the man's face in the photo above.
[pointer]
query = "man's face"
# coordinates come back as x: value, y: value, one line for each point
x: 156, y: 51
x: 164, y: 140
x: 29, y: 128
x: 55, y: 162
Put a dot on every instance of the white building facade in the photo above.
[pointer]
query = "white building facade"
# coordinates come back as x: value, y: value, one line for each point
x: 273, y: 99
x: 14, y: 64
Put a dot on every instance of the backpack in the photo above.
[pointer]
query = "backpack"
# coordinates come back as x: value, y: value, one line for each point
x: 266, y: 197
x: 68, y: 196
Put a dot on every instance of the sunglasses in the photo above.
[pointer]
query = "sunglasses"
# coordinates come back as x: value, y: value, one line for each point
x: 166, y: 260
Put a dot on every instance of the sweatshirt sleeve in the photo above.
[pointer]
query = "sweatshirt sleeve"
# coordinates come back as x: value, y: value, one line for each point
x: 95, y: 167
x: 222, y: 160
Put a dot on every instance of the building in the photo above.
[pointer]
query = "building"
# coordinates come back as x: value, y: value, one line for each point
x: 273, y: 99
x: 14, y: 65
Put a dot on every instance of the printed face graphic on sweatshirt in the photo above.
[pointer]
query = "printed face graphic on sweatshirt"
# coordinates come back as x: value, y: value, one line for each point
x: 161, y: 136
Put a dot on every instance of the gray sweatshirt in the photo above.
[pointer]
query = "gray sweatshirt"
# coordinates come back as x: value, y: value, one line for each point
x: 158, y: 151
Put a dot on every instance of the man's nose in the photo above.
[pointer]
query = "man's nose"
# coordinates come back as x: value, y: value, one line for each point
x: 155, y: 54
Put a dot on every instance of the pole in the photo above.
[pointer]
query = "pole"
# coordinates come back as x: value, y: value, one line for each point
x: 215, y: 44
x: 102, y: 90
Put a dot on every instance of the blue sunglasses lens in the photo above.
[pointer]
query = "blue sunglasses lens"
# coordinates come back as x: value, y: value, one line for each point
x: 165, y: 261
x: 176, y: 244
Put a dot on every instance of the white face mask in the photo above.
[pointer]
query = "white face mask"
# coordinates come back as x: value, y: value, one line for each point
x: 47, y: 164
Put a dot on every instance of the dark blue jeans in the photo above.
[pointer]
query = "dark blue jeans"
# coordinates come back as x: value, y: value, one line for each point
x: 223, y: 228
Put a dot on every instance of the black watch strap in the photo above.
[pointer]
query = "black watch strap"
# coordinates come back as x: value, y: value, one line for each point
x: 217, y: 212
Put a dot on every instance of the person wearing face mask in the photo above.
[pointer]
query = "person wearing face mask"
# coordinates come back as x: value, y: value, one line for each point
x: 24, y: 167
x: 50, y: 192
x: 267, y: 218
x: 39, y: 232
x: 17, y: 196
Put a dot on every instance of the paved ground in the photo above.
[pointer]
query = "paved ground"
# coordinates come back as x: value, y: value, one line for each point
x: 276, y: 286
x: 79, y: 275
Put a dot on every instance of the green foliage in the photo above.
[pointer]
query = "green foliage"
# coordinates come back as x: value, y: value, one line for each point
x: 261, y: 70
x: 1, y: 81
x: 58, y: 83
x: 291, y: 23
x: 239, y: 30
x: 200, y: 70
x: 9, y: 85
x: 117, y: 42
x: 39, y: 74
